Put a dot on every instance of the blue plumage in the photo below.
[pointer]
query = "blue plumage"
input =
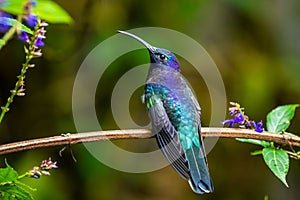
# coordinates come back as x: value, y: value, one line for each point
x: 175, y: 117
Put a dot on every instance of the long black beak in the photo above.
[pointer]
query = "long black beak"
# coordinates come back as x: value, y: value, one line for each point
x: 151, y: 48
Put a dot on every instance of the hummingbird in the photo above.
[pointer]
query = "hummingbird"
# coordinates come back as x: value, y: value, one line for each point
x: 175, y: 117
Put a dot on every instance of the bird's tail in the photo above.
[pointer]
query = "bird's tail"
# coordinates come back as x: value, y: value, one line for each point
x: 200, y: 180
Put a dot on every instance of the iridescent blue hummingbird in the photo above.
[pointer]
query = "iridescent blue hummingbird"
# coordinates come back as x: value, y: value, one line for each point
x: 175, y: 118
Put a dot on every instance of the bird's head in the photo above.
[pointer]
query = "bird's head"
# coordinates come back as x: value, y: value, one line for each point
x: 157, y: 55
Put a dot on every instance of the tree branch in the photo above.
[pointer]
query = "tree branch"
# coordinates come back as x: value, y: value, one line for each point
x: 68, y: 139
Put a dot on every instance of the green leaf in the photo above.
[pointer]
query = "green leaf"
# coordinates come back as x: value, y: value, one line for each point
x: 13, y: 192
x: 52, y: 12
x: 278, y: 119
x: 8, y: 175
x: 10, y: 186
x: 45, y: 9
x: 13, y: 22
x: 253, y: 141
x: 278, y: 161
x: 15, y: 7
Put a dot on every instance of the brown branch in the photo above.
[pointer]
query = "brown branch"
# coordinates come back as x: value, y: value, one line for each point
x: 68, y: 139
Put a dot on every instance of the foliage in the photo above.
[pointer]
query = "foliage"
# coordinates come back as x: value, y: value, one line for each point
x: 52, y: 13
x: 46, y: 10
x: 32, y: 12
x: 278, y: 161
x: 28, y: 23
x: 276, y: 158
x: 279, y: 119
x: 12, y: 188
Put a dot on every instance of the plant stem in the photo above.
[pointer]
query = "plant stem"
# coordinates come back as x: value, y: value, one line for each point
x: 8, y: 35
x: 23, y: 175
x: 293, y: 155
x: 17, y: 89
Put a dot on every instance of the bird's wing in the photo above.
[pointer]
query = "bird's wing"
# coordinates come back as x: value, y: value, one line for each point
x: 167, y: 138
x: 193, y: 98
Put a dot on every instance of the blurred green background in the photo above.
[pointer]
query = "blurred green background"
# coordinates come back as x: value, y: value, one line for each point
x: 255, y: 45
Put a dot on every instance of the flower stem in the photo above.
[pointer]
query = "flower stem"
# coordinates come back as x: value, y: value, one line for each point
x: 17, y: 89
x: 19, y: 86
x: 26, y: 174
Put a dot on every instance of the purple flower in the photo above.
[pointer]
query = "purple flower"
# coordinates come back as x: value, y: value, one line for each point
x: 36, y: 176
x: 41, y: 35
x: 30, y: 18
x: 39, y: 42
x: 241, y: 119
x: 230, y: 122
x: 258, y: 127
x: 233, y: 110
x: 43, y: 169
x: 24, y: 36
x: 48, y: 164
x: 35, y: 172
x: 4, y: 25
x: 238, y: 119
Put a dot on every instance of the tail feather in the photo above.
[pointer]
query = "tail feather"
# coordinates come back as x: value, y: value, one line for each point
x: 200, y: 180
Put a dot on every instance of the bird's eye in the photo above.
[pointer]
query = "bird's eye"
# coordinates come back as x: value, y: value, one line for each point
x: 162, y: 57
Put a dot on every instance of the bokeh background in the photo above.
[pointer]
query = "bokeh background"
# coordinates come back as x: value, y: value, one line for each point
x: 255, y: 45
